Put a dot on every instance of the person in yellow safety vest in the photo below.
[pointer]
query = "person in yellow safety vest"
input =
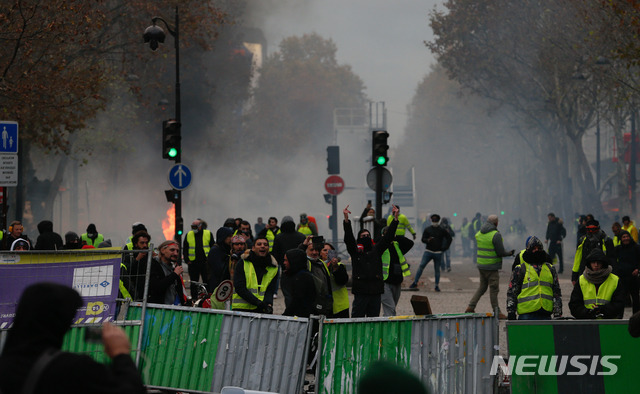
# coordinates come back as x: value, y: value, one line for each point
x: 92, y: 237
x: 136, y: 265
x: 403, y: 224
x: 306, y: 227
x: 270, y: 231
x: 534, y: 291
x: 195, y: 251
x: 254, y: 280
x: 630, y: 227
x: 616, y: 229
x: 464, y: 237
x: 339, y: 278
x: 490, y: 251
x: 394, y: 269
x: 598, y: 294
x: 137, y: 226
x: 595, y: 238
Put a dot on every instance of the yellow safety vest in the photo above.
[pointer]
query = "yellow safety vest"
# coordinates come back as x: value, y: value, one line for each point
x: 252, y: 285
x: 270, y: 236
x: 98, y: 241
x: 604, y: 294
x: 537, y: 290
x: 486, y: 252
x: 191, y: 241
x: 386, y: 262
x: 123, y: 290
x: 340, y: 294
x: 305, y: 229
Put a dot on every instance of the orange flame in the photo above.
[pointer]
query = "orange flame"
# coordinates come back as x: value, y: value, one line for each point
x: 169, y: 224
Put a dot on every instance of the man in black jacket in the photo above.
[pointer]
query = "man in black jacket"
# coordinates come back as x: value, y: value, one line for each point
x: 30, y: 338
x: 301, y: 284
x: 627, y: 266
x: 368, y: 283
x: 437, y: 241
x: 555, y: 234
x: 165, y: 278
x: 48, y: 239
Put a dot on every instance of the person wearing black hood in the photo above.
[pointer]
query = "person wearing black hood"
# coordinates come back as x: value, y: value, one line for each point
x: 289, y: 238
x: 301, y: 284
x: 218, y: 259
x: 368, y: 282
x: 92, y: 237
x: 534, y: 291
x: 598, y: 293
x: 254, y: 280
x: 32, y: 341
x: 48, y: 239
x: 72, y: 241
x: 627, y: 266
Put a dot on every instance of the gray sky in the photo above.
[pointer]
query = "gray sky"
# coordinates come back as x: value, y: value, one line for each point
x: 381, y: 40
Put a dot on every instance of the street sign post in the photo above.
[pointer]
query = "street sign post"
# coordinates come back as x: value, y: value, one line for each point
x: 334, y: 185
x: 8, y: 136
x: 179, y: 176
x: 8, y: 170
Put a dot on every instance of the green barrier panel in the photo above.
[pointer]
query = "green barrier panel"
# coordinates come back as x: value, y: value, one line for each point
x: 188, y: 337
x: 74, y: 342
x: 349, y: 347
x: 594, y: 356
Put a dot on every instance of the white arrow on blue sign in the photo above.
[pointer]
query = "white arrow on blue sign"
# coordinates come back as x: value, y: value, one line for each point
x: 8, y: 136
x: 179, y: 176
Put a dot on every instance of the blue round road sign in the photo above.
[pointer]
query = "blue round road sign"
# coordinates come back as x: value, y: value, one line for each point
x: 179, y: 176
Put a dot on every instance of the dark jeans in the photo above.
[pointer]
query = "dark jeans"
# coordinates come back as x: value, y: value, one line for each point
x: 556, y: 249
x: 632, y: 288
x: 366, y: 305
x: 197, y: 269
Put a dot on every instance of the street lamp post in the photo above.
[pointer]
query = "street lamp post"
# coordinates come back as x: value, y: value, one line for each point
x: 154, y: 35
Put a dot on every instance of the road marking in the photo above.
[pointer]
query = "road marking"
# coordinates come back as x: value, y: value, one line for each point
x: 443, y: 280
x: 474, y: 279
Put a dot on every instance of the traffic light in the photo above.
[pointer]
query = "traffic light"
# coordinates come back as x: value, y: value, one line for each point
x: 172, y: 196
x: 179, y: 226
x: 333, y: 160
x: 379, y: 148
x: 171, y: 139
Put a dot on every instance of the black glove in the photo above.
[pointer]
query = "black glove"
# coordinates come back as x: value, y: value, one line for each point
x: 512, y: 316
x: 593, y: 313
x: 263, y: 307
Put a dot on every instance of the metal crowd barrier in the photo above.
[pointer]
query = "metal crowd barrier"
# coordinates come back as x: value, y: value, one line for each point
x: 450, y: 353
x: 202, y: 350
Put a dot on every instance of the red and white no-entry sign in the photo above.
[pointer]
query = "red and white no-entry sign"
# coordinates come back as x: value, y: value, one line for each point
x: 334, y: 185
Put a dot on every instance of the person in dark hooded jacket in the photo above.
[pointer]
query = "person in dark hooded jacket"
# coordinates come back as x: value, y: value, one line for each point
x: 301, y: 284
x: 218, y: 259
x: 72, y: 241
x: 289, y: 238
x: 48, y: 239
x: 368, y: 282
x: 37, y: 331
x: 627, y: 267
x: 598, y: 294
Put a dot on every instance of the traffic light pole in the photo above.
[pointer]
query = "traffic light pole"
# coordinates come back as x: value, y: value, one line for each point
x: 379, y: 191
x: 334, y: 220
x: 178, y: 202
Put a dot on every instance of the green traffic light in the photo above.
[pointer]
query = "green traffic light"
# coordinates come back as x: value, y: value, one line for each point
x: 173, y: 152
x: 179, y: 232
x: 501, y: 212
x: 381, y: 160
x: 455, y: 214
